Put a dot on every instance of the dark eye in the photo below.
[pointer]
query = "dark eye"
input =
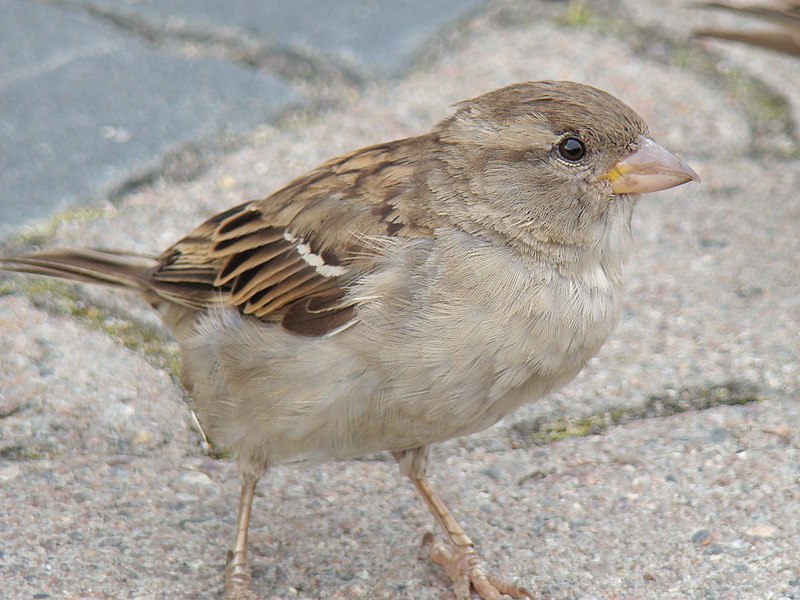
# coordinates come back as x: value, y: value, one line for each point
x: 572, y: 149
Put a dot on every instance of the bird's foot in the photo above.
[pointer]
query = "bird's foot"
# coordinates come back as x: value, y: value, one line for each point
x: 463, y: 565
x: 238, y: 581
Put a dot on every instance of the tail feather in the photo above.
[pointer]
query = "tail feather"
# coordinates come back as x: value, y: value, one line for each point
x: 86, y: 265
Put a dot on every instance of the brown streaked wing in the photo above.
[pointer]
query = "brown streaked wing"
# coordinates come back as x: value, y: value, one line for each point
x: 288, y: 258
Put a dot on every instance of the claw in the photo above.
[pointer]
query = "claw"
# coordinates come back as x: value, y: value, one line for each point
x: 238, y: 581
x: 463, y: 565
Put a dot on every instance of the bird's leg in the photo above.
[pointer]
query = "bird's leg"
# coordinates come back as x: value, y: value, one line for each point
x: 459, y: 558
x: 457, y: 555
x: 238, y: 581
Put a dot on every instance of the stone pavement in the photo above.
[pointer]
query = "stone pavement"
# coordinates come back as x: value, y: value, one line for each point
x: 669, y: 469
x: 100, y: 97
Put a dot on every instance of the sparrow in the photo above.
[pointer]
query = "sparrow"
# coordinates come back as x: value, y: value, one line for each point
x: 403, y: 294
x: 785, y: 14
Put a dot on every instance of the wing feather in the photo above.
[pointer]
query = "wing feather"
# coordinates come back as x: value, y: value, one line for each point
x: 290, y: 258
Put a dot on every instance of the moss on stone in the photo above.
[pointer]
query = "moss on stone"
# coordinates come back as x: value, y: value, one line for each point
x: 39, y: 233
x: 62, y: 298
x: 540, y: 431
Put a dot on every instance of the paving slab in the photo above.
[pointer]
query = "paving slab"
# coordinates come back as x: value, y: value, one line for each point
x: 377, y: 37
x: 700, y: 504
x: 87, y: 107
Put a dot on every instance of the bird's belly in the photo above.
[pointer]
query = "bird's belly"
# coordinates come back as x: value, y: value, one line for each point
x: 421, y: 375
x: 456, y: 373
x: 516, y: 362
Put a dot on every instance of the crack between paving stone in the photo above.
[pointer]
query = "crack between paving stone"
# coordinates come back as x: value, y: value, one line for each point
x: 179, y: 165
x: 544, y: 430
x: 12, y: 411
x: 61, y: 298
x: 295, y: 65
x: 191, y: 160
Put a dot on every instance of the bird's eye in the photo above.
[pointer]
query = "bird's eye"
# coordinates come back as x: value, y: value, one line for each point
x: 572, y: 149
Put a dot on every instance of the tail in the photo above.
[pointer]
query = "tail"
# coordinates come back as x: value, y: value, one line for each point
x: 86, y: 265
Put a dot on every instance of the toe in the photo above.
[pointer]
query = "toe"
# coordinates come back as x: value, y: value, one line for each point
x: 463, y: 566
x: 238, y: 581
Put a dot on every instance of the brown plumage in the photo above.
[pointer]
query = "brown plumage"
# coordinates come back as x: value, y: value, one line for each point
x: 785, y: 15
x: 403, y: 294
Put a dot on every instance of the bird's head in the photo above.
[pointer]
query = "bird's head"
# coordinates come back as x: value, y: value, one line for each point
x: 560, y: 157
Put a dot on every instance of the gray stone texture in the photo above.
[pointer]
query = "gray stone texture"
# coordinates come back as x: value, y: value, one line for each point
x: 105, y: 491
x: 87, y: 107
x: 380, y: 37
x: 96, y: 96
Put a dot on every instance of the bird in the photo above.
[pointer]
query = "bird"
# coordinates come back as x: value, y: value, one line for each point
x: 402, y: 294
x: 785, y: 14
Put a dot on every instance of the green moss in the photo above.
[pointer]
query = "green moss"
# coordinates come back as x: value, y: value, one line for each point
x: 576, y: 14
x: 682, y: 57
x: 62, y: 298
x: 7, y: 287
x: 22, y: 453
x: 38, y: 234
x: 219, y: 453
x: 766, y: 110
x: 539, y: 432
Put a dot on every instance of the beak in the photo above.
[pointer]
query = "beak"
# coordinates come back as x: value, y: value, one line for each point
x: 649, y: 169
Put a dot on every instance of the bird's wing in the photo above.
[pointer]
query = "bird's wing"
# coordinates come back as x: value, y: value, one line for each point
x: 290, y: 258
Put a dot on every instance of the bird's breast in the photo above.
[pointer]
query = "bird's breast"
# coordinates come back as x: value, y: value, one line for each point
x: 485, y: 331
x: 451, y: 335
